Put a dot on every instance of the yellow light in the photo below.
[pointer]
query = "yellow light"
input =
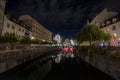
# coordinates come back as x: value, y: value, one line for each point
x: 32, y: 37
x: 43, y: 40
x: 115, y: 35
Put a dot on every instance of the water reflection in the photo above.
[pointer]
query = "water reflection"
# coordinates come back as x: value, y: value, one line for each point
x: 60, y: 66
x: 63, y: 55
x: 66, y: 66
x: 35, y: 70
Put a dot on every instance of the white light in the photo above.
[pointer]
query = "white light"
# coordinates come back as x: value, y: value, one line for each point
x: 32, y: 38
x: 43, y: 40
x: 72, y: 42
x: 72, y: 56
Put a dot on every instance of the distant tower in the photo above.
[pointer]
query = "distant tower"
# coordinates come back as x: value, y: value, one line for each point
x: 57, y: 38
x: 2, y: 10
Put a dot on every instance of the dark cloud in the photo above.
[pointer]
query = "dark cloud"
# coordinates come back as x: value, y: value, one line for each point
x: 61, y: 16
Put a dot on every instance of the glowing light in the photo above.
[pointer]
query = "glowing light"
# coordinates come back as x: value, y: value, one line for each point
x: 119, y: 39
x: 72, y: 42
x: 32, y: 38
x: 43, y: 40
x: 58, y: 59
x: 72, y: 56
x: 115, y: 35
x: 112, y: 42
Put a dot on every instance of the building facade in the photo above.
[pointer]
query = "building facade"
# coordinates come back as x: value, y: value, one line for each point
x: 38, y: 31
x: 102, y: 17
x: 2, y: 10
x: 113, y: 28
x: 109, y: 22
x: 14, y: 26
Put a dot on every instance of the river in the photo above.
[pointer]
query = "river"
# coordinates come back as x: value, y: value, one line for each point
x: 58, y: 66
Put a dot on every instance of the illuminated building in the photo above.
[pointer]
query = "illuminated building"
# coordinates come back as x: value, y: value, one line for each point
x: 114, y: 29
x: 102, y: 17
x: 38, y: 30
x: 14, y: 26
x: 2, y: 10
x: 109, y: 22
x: 57, y: 38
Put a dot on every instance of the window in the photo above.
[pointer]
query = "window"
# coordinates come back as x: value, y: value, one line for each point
x: 114, y: 28
x: 103, y: 24
x: 23, y: 30
x: 108, y: 22
x: 8, y: 25
x: 19, y: 29
x: 114, y: 20
x: 13, y: 27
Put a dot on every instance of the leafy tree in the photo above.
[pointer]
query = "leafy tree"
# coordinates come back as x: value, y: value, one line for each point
x: 92, y: 33
x: 1, y: 39
x: 63, y: 39
x: 35, y: 41
x: 9, y: 37
x: 54, y: 42
x: 107, y: 37
x: 24, y: 40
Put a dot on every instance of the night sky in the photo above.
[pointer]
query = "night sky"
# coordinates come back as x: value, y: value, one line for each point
x: 64, y: 17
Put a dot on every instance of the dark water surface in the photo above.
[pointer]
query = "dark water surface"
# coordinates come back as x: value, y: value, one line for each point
x: 56, y: 67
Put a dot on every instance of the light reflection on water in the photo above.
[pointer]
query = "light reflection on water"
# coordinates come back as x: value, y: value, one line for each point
x: 30, y: 71
x: 60, y: 66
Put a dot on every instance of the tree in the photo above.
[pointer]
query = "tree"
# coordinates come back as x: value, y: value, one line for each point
x: 35, y: 41
x: 10, y: 39
x: 107, y: 37
x: 2, y: 39
x: 92, y: 33
x: 24, y: 40
x: 54, y: 42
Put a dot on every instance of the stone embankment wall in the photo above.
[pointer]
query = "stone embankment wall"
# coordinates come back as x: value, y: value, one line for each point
x: 107, y: 61
x: 12, y: 58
